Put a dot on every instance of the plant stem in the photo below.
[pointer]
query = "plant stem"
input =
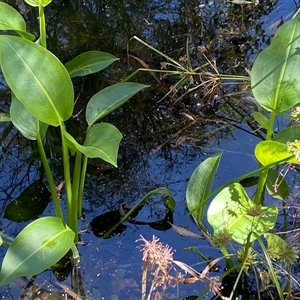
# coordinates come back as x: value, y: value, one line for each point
x: 49, y: 176
x: 42, y: 22
x: 261, y: 186
x: 75, y: 182
x: 71, y: 218
x: 81, y: 187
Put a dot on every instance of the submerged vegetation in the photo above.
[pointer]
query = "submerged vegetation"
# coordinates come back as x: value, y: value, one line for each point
x: 238, y: 219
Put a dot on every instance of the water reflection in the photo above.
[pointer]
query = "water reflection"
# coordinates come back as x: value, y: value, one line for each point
x: 232, y: 35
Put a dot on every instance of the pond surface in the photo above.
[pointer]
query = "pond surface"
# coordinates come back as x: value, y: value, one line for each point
x: 162, y: 142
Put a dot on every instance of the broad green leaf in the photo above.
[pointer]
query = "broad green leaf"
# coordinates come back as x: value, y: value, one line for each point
x: 37, y: 247
x: 269, y: 152
x: 199, y: 186
x: 10, y: 19
x: 26, y: 123
x: 232, y: 211
x: 261, y: 119
x: 288, y: 134
x: 4, y: 117
x: 30, y: 204
x: 37, y: 78
x: 110, y: 98
x: 89, y: 63
x: 102, y: 141
x: 36, y: 3
x: 276, y: 185
x: 276, y: 71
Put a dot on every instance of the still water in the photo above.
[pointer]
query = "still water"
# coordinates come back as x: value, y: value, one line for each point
x: 233, y: 35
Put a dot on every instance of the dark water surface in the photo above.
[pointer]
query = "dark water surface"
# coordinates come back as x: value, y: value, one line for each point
x: 233, y: 35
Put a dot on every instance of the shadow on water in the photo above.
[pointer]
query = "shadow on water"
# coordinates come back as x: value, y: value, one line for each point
x: 163, y: 143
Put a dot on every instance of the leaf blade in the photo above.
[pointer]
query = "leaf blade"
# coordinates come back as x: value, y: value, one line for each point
x: 109, y: 99
x: 44, y: 86
x: 36, y: 249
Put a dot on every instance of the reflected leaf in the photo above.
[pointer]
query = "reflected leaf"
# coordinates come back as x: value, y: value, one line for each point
x: 30, y: 204
x: 101, y: 224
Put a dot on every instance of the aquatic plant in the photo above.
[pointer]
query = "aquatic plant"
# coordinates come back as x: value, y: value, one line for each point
x: 234, y: 216
x: 42, y: 95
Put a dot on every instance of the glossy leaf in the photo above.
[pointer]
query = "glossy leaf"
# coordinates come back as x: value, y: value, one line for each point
x: 43, y: 84
x: 102, y: 141
x: 89, y: 63
x: 199, y: 186
x: 36, y: 248
x: 276, y: 185
x: 261, y: 119
x: 234, y: 212
x: 110, y: 98
x: 36, y: 3
x: 11, y: 19
x: 288, y: 134
x: 25, y: 122
x: 269, y: 152
x: 276, y: 71
x: 30, y: 204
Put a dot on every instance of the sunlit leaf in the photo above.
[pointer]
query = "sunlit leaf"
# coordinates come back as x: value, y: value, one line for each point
x: 89, y: 62
x: 276, y: 185
x: 276, y: 71
x: 30, y: 204
x: 269, y: 152
x: 232, y: 211
x: 37, y: 78
x: 199, y: 186
x: 36, y: 248
x: 110, y: 98
x: 35, y: 3
x: 102, y: 141
x: 26, y: 123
